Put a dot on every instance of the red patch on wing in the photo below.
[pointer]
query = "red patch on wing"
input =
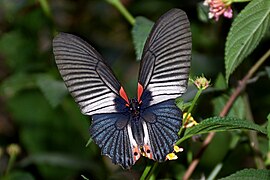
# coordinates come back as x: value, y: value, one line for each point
x: 136, y: 153
x: 148, y: 152
x: 139, y: 92
x: 123, y: 94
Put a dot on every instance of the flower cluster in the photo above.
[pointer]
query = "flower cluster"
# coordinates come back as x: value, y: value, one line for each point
x: 201, y: 82
x: 218, y: 8
x: 173, y: 156
x: 189, y: 120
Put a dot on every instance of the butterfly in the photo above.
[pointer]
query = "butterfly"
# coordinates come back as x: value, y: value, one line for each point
x: 126, y: 128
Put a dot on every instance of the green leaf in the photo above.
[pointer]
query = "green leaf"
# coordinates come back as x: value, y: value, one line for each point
x: 15, y: 83
x: 246, y: 32
x: 248, y: 174
x: 218, y: 124
x: 53, y: 90
x: 140, y: 32
x: 237, y: 110
x: 23, y: 50
x: 19, y: 175
x: 220, y: 83
x: 202, y: 12
x: 181, y: 104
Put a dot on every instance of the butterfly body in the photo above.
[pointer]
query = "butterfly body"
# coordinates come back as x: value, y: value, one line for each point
x: 126, y: 128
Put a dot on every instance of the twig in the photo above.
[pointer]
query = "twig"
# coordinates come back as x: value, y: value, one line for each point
x: 241, y: 86
x: 254, y: 143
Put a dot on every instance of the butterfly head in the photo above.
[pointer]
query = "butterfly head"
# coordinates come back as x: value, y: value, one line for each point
x: 134, y: 107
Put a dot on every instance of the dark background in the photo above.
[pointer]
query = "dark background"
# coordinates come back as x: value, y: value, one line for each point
x: 38, y: 114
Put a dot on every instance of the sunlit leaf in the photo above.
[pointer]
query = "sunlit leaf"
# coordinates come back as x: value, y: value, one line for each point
x: 218, y: 124
x: 246, y: 32
x: 140, y: 32
x: 249, y: 174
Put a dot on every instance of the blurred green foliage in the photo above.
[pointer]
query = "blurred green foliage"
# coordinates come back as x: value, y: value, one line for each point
x: 37, y: 113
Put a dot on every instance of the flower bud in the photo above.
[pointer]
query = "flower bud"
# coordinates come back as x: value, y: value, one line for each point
x: 13, y: 149
x: 201, y: 83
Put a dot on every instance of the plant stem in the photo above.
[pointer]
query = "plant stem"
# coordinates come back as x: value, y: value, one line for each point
x: 45, y: 7
x: 151, y: 172
x: 145, y: 172
x: 190, y: 109
x: 241, y: 86
x: 10, y: 163
x: 215, y: 171
x: 123, y: 10
x: 193, y: 104
x: 254, y: 143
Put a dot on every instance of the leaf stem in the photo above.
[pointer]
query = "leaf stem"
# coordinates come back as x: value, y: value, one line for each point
x: 90, y: 140
x: 241, y: 86
x: 122, y: 10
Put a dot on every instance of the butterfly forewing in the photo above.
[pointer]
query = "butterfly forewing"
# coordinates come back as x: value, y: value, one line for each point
x: 88, y: 78
x: 98, y: 93
x: 166, y: 59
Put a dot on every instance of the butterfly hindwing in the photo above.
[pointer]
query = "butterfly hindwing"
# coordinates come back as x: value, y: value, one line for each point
x: 163, y: 122
x: 166, y: 58
x: 110, y: 132
x: 89, y: 80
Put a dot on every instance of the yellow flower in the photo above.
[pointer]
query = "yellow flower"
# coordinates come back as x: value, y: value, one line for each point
x: 189, y: 120
x: 171, y: 156
x: 177, y: 149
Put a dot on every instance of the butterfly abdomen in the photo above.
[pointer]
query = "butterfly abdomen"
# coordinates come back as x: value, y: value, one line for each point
x: 137, y: 130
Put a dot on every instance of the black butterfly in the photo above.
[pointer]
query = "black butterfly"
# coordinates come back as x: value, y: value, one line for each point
x: 126, y: 128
